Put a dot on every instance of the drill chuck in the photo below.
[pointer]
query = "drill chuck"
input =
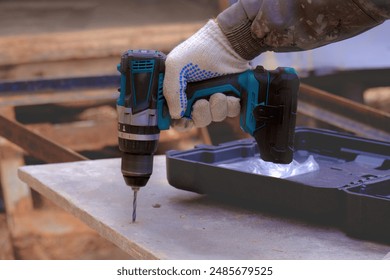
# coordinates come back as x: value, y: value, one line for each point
x: 136, y: 169
x: 138, y: 145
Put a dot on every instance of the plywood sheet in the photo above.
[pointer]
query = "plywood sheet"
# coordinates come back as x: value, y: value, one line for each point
x: 175, y: 224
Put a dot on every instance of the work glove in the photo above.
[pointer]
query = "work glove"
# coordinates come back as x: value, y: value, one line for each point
x: 204, y: 55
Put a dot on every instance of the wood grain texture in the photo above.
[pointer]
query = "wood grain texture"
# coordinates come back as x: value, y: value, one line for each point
x: 35, y: 144
x: 16, y: 194
x: 88, y: 44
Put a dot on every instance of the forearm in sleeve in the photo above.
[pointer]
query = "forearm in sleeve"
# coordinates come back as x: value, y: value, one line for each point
x: 255, y: 26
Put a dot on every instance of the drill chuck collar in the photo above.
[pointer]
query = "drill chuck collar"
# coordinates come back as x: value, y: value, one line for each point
x: 268, y: 109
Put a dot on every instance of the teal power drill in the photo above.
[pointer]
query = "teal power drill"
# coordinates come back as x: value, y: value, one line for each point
x: 268, y: 110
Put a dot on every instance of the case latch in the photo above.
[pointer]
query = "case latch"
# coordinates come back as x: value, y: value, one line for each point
x: 268, y: 113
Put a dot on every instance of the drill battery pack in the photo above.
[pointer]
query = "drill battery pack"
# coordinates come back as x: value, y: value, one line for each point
x: 275, y: 117
x: 268, y: 106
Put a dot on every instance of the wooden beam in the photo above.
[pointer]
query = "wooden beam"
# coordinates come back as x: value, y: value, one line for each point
x: 92, y: 135
x: 343, y: 113
x: 50, y: 97
x: 35, y: 144
x: 6, y: 250
x: 82, y: 135
x: 92, y: 43
x: 60, y: 69
x: 17, y: 195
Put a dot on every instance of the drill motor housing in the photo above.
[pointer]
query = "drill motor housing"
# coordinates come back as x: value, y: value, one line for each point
x: 142, y: 73
x: 268, y: 109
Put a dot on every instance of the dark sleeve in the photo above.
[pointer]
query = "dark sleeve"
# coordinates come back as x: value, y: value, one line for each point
x: 256, y: 26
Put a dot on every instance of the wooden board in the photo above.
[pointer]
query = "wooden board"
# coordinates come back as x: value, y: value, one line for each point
x: 175, y: 224
x: 16, y: 194
x: 6, y: 250
x: 98, y: 43
x: 77, y: 38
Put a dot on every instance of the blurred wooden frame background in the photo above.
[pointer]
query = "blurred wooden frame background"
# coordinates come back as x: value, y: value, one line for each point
x: 72, y: 52
x: 83, y: 123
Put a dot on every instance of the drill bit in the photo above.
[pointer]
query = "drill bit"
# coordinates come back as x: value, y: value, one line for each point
x: 135, y: 191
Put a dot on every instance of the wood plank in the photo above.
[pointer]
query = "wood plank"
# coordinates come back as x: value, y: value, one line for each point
x: 86, y: 135
x: 343, y: 113
x: 105, y: 42
x: 175, y: 224
x: 51, y: 97
x: 60, y: 69
x: 6, y: 250
x: 92, y: 135
x: 17, y: 195
x: 35, y: 144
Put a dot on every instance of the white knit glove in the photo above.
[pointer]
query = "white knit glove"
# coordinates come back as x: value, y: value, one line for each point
x: 206, y: 54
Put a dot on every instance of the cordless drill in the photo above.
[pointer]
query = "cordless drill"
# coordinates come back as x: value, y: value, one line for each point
x: 268, y: 110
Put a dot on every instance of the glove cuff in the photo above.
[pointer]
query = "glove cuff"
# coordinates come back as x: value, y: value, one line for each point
x: 243, y: 42
x: 236, y: 24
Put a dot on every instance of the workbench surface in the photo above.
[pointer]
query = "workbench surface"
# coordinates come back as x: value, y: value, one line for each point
x: 175, y: 224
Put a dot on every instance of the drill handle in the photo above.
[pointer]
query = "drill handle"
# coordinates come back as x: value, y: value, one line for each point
x: 227, y: 84
x: 253, y: 87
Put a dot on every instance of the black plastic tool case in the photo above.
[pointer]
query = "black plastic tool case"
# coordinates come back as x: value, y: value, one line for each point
x: 352, y: 186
